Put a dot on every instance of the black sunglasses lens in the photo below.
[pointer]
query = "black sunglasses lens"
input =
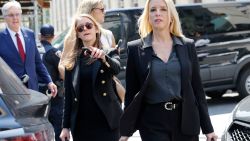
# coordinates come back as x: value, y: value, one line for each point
x: 80, y: 28
x: 88, y: 25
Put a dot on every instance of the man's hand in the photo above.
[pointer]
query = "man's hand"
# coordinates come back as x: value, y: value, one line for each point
x: 53, y: 88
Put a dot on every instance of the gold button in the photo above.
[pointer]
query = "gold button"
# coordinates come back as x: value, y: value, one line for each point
x: 103, y: 82
x: 104, y: 94
x: 101, y: 71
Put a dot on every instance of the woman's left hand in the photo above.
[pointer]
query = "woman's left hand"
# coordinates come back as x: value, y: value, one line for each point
x: 211, y: 137
x: 97, y: 53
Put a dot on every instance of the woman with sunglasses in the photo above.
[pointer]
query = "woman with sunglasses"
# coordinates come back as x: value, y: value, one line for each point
x: 95, y: 8
x: 92, y: 110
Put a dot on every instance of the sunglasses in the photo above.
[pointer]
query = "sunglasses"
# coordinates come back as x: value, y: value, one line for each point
x: 101, y: 9
x: 87, y: 25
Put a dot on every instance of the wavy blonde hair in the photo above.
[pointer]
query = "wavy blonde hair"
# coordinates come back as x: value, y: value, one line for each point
x: 175, y: 26
x: 73, y: 44
x: 86, y: 6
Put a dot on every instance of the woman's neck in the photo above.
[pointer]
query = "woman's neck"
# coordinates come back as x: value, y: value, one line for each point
x: 89, y: 43
x: 161, y: 36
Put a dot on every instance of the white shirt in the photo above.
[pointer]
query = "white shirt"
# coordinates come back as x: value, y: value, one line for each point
x: 13, y: 37
x: 106, y: 38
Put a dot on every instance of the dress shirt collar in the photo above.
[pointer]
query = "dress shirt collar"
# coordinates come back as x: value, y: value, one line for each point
x: 149, y: 39
x: 13, y: 33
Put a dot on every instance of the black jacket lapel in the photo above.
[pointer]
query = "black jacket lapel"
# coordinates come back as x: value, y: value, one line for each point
x: 146, y: 58
x: 76, y: 77
x: 182, y: 54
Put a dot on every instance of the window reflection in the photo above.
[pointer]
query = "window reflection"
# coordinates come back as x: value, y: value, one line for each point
x: 113, y: 23
x: 217, y: 24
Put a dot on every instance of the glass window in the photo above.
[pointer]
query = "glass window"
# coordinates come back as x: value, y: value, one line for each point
x: 133, y: 33
x: 215, y: 22
x: 59, y: 39
x: 228, y: 19
x: 191, y: 22
x: 113, y: 23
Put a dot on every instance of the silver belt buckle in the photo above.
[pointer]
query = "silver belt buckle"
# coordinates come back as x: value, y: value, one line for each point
x: 169, y: 106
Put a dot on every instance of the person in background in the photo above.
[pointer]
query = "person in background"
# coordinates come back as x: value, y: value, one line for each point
x: 18, y: 49
x: 164, y: 97
x: 91, y: 111
x: 51, y: 59
x: 95, y: 8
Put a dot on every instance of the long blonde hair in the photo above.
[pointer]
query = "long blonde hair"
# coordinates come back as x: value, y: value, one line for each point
x: 72, y: 43
x: 175, y: 27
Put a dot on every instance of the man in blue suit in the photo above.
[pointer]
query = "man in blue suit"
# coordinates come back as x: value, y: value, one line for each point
x: 19, y: 51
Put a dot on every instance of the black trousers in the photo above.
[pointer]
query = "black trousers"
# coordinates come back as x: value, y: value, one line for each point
x: 159, y: 124
x: 56, y: 115
x: 97, y: 135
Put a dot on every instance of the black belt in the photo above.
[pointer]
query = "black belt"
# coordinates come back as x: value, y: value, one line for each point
x: 169, y: 106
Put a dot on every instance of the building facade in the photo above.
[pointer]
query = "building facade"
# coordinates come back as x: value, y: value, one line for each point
x: 32, y: 16
x: 62, y: 11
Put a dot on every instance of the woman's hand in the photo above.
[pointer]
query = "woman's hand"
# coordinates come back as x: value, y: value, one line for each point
x: 211, y: 137
x: 97, y: 53
x: 123, y: 138
x: 65, y: 136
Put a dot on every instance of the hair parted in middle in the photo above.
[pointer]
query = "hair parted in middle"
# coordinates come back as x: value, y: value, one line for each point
x: 175, y: 26
x: 73, y: 44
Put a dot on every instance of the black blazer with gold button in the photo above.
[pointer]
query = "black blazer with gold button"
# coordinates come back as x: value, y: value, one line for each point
x: 104, y: 94
x: 194, y: 107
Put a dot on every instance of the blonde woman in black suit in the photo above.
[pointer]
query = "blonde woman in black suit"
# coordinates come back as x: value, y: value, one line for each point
x: 164, y: 97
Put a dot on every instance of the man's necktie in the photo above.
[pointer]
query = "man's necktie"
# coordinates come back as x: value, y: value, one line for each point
x: 20, y: 47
